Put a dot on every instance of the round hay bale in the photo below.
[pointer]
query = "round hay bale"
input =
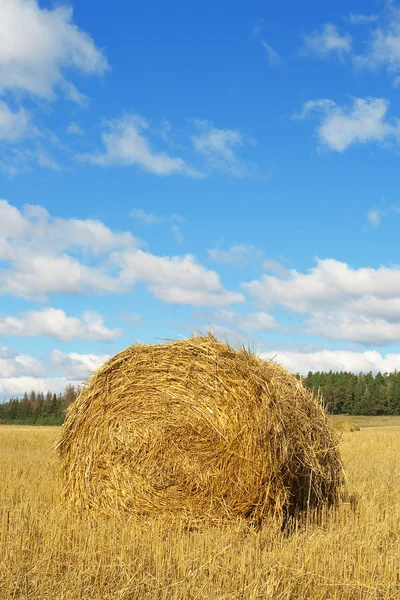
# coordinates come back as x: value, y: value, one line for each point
x: 197, y: 428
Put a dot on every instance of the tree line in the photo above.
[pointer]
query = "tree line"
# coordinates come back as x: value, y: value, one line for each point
x: 342, y: 393
x: 363, y: 394
x: 38, y: 408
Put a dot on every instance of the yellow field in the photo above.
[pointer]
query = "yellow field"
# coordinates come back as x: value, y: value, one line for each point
x: 47, y: 553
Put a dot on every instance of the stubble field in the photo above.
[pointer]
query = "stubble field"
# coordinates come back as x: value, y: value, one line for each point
x: 49, y: 553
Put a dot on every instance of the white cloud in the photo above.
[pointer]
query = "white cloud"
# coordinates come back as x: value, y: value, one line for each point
x: 77, y: 366
x: 127, y: 143
x: 338, y: 302
x: 14, y: 125
x: 353, y: 327
x: 44, y: 256
x: 374, y: 217
x: 242, y: 323
x: 39, y: 47
x: 383, y: 50
x: 335, y: 360
x: 272, y: 56
x: 178, y: 235
x: 36, y: 228
x: 327, y: 41
x: 330, y: 282
x: 238, y: 255
x: 130, y: 318
x: 144, y: 217
x: 275, y: 267
x: 56, y: 324
x: 20, y: 158
x: 21, y: 365
x: 340, y: 127
x: 179, y: 280
x: 74, y: 128
x: 219, y: 147
x: 361, y: 19
x: 21, y: 373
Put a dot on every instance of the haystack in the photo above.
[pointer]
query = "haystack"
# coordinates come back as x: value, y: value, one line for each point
x: 197, y: 428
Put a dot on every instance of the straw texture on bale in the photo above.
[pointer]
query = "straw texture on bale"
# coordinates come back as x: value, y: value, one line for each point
x: 198, y: 428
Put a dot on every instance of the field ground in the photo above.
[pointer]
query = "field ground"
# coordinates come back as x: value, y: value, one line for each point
x: 49, y: 553
x: 364, y: 421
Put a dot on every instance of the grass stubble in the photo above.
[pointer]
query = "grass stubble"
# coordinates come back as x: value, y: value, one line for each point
x: 50, y: 553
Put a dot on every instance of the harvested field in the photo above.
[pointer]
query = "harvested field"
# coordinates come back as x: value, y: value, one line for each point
x: 48, y: 552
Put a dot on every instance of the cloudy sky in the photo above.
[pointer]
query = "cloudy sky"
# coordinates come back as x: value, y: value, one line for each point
x: 171, y: 167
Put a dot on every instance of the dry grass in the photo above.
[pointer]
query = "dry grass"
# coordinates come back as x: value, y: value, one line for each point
x: 198, y: 428
x: 47, y: 553
x: 367, y: 421
x: 347, y: 426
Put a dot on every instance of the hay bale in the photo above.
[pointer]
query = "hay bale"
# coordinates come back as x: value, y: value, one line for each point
x: 345, y: 426
x: 197, y: 428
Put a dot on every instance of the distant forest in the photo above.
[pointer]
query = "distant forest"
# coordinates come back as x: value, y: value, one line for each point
x: 37, y: 408
x: 342, y: 393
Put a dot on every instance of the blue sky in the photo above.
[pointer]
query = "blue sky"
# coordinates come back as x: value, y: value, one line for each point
x: 169, y: 168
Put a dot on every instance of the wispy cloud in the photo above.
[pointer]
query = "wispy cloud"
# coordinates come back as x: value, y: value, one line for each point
x: 126, y: 142
x: 220, y: 147
x: 15, y: 124
x: 173, y: 220
x: 75, y: 128
x: 326, y: 42
x: 238, y: 255
x: 143, y: 216
x: 375, y: 215
x: 272, y: 56
x: 361, y: 19
x: 383, y: 49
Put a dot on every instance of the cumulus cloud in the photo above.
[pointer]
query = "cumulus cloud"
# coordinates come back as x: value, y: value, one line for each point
x: 20, y: 365
x: 43, y: 256
x: 77, y: 366
x: 328, y: 283
x: 56, y: 324
x: 40, y: 47
x: 326, y: 42
x: 238, y: 255
x: 335, y: 360
x: 21, y: 373
x: 337, y: 301
x: 179, y: 280
x: 353, y: 327
x: 362, y: 122
x: 126, y: 142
